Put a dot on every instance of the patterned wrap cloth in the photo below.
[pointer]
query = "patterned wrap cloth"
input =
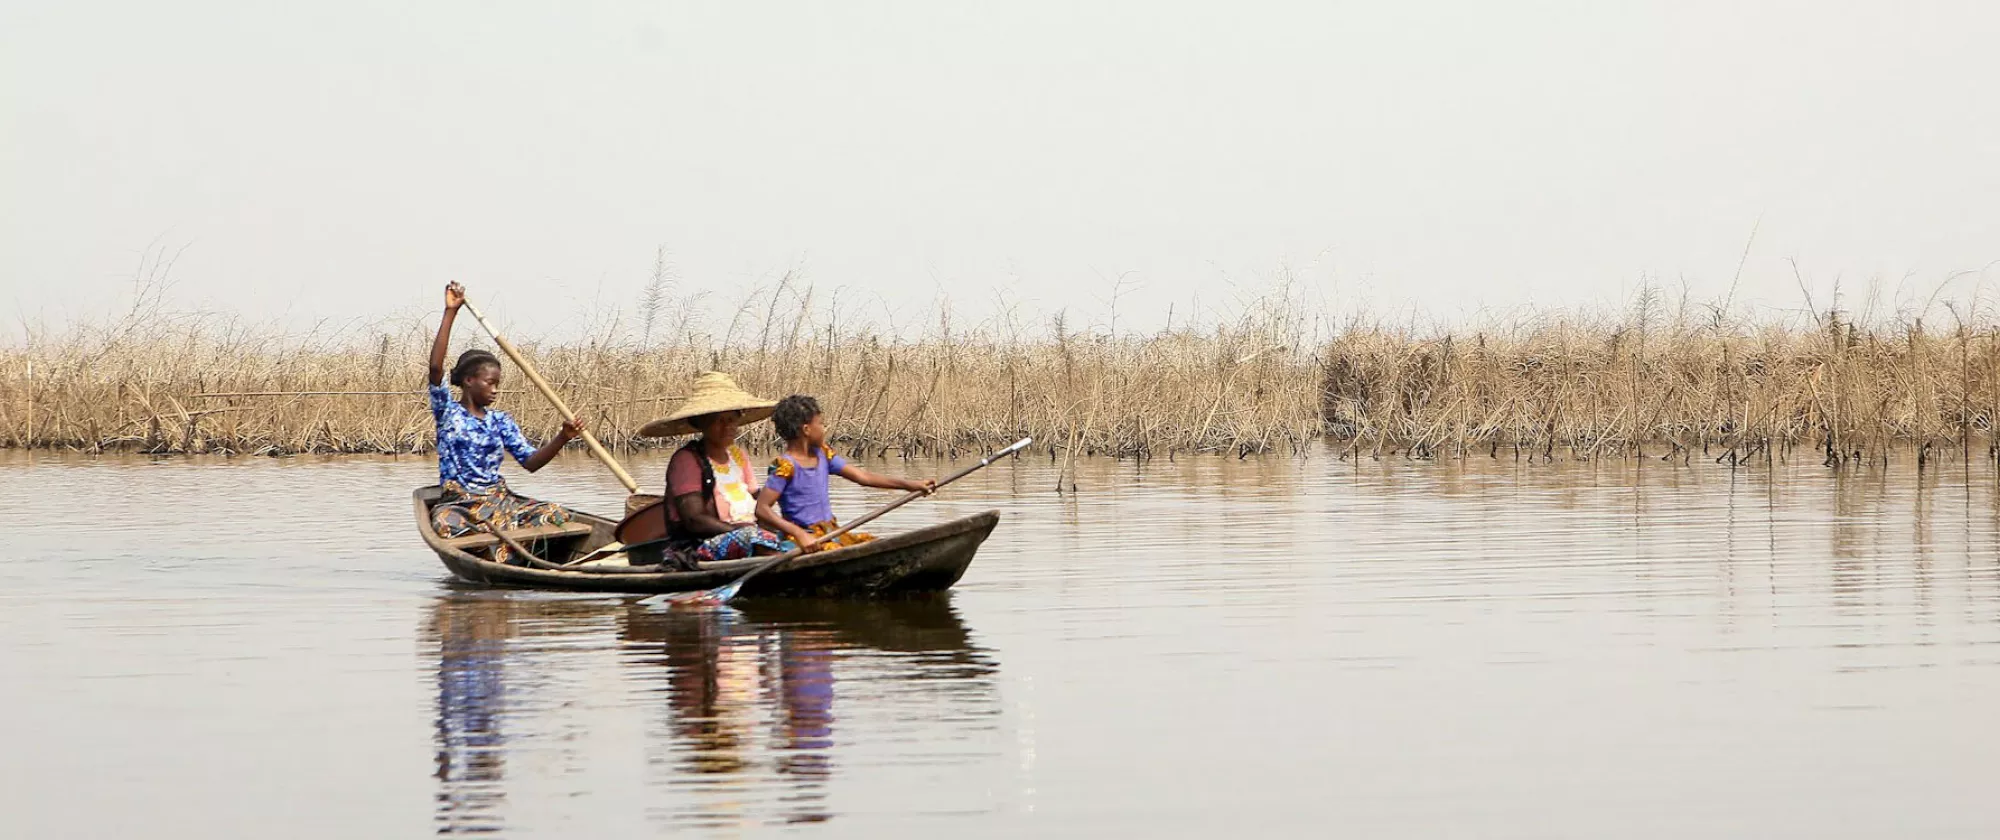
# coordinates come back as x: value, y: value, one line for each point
x: 738, y: 544
x: 745, y: 541
x: 459, y: 511
x: 821, y: 529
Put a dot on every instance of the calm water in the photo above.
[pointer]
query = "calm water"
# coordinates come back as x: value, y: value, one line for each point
x: 262, y: 647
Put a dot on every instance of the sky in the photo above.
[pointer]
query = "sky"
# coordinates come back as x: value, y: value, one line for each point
x: 338, y: 161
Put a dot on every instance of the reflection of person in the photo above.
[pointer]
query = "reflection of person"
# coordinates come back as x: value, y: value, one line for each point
x: 797, y: 481
x: 750, y: 693
x: 711, y: 493
x: 707, y: 695
x: 471, y: 688
x: 471, y: 439
x: 805, y: 669
x: 719, y: 670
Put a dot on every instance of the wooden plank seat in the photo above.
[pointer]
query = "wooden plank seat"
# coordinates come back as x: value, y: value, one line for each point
x: 482, y: 539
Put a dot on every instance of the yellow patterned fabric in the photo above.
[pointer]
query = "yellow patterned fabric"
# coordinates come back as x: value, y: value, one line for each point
x: 782, y: 467
x: 843, y: 541
x: 736, y: 490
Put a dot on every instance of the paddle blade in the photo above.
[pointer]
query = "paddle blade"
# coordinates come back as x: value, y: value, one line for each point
x: 718, y: 596
x: 700, y: 598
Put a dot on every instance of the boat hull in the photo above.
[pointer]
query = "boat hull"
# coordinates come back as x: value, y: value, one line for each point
x: 927, y: 559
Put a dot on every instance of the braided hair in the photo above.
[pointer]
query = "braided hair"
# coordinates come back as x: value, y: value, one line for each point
x: 470, y: 362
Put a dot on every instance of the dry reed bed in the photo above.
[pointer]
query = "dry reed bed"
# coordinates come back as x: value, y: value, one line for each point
x: 197, y: 389
x: 1581, y: 389
x: 1559, y: 385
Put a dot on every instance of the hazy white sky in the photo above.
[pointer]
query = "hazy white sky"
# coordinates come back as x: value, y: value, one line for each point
x: 345, y: 159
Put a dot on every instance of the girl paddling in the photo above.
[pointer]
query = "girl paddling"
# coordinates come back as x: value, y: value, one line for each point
x: 471, y: 437
x: 794, y: 499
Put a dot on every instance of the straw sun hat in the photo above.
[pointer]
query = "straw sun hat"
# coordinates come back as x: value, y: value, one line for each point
x: 714, y: 392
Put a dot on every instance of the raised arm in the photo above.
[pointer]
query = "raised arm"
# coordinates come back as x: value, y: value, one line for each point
x: 454, y: 297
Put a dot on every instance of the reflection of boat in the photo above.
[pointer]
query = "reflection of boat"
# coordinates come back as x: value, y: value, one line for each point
x: 924, y: 560
x: 753, y: 696
x: 910, y: 625
x: 752, y: 690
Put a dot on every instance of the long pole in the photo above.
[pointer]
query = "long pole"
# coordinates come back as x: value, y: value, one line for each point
x: 561, y: 407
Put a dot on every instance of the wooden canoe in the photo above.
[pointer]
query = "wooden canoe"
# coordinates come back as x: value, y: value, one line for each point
x: 924, y: 560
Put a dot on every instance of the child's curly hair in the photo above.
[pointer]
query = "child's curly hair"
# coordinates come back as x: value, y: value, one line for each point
x: 792, y: 414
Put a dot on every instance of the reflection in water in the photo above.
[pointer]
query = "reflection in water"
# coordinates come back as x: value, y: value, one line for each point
x: 1396, y: 648
x: 479, y: 638
x: 471, y: 637
x: 773, y: 662
x: 749, y: 693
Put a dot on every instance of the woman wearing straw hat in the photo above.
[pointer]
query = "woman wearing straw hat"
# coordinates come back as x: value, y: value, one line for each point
x: 711, y: 492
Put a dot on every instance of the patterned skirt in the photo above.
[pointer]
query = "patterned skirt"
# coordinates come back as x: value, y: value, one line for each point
x: 842, y: 541
x: 738, y: 544
x: 459, y: 512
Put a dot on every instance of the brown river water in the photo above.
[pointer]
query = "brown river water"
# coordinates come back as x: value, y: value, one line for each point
x: 1305, y: 646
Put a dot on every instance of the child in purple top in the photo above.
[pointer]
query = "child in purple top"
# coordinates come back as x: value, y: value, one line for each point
x: 797, y: 481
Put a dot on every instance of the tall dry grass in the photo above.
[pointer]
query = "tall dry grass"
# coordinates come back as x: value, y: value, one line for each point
x: 194, y: 384
x: 1593, y: 388
x: 1638, y: 384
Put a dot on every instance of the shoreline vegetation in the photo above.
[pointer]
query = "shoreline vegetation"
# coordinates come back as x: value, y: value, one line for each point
x: 1668, y: 383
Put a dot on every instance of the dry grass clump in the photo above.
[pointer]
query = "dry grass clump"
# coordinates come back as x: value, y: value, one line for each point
x: 1731, y: 392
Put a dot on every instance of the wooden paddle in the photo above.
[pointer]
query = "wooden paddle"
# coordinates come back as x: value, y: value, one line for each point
x: 722, y: 594
x: 562, y: 408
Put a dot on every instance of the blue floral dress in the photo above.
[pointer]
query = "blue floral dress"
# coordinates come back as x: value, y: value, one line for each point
x: 470, y: 450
